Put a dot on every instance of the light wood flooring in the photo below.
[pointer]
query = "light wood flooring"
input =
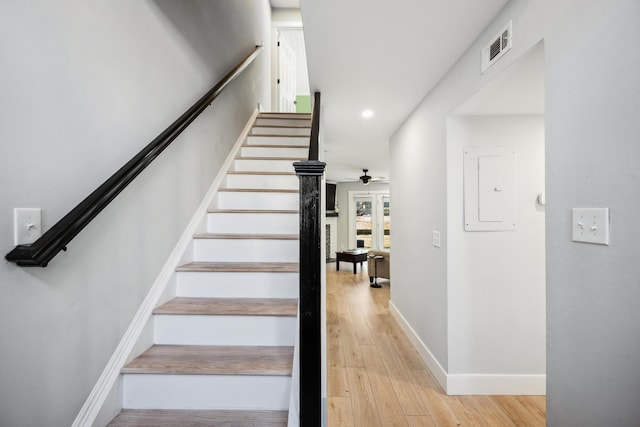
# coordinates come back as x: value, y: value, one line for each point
x: 377, y: 378
x: 199, y: 418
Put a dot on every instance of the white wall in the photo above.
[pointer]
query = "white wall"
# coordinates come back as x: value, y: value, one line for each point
x: 496, y: 280
x: 593, y: 292
x: 591, y: 132
x: 84, y: 87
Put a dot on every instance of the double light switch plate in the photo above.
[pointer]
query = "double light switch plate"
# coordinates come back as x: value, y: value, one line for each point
x: 591, y: 225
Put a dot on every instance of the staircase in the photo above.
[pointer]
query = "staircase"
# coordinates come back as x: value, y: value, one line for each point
x: 223, y: 347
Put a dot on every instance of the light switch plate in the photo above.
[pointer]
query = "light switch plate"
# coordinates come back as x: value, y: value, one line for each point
x: 436, y: 239
x: 591, y: 225
x: 27, y: 225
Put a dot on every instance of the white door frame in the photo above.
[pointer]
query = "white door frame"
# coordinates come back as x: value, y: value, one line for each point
x: 275, y: 32
x: 377, y: 197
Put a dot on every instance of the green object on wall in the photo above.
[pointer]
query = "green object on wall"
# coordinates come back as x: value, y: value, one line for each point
x: 303, y: 103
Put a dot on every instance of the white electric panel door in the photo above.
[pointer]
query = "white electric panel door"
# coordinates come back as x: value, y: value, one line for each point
x: 489, y: 188
x: 491, y: 195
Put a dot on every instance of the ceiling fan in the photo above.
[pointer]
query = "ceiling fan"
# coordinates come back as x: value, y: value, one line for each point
x: 366, y: 178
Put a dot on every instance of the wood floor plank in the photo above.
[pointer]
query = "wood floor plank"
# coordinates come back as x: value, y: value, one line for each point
x: 338, y: 382
x: 340, y: 412
x: 336, y: 358
x: 230, y: 306
x: 410, y: 397
x: 466, y: 412
x: 213, y: 360
x: 516, y: 412
x: 439, y: 408
x: 352, y: 352
x: 387, y: 403
x: 536, y: 405
x: 362, y: 400
x: 359, y: 326
x: 420, y: 421
x: 198, y: 418
x: 492, y: 412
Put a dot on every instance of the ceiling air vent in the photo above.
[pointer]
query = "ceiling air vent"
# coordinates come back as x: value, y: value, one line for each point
x: 498, y: 46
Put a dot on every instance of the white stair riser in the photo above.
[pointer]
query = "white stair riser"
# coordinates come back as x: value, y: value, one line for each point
x: 258, y: 201
x: 275, y: 152
x: 258, y: 130
x: 247, y: 250
x: 150, y: 391
x: 224, y: 330
x: 260, y: 165
x: 302, y: 141
x: 273, y: 182
x: 262, y: 121
x: 237, y: 285
x: 250, y: 223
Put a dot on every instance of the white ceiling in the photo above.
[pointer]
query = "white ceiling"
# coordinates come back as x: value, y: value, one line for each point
x: 384, y: 56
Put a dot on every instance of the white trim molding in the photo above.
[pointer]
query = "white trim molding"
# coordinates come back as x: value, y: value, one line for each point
x: 492, y: 384
x: 377, y: 197
x: 434, y: 366
x: 471, y: 384
x: 108, y: 379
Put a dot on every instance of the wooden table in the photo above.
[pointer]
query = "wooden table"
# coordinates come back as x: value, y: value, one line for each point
x: 352, y: 255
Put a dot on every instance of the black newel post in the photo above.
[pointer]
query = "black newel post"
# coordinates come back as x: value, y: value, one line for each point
x: 310, y: 176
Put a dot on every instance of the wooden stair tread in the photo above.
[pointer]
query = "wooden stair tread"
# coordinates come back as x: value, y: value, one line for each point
x: 306, y: 126
x: 212, y: 360
x: 247, y: 236
x: 268, y: 267
x: 198, y: 418
x: 230, y: 306
x: 253, y: 211
x: 257, y: 190
x: 276, y: 113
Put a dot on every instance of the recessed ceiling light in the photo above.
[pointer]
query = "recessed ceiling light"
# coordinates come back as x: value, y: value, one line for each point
x: 367, y: 114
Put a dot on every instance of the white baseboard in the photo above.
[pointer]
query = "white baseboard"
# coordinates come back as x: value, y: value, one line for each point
x: 496, y: 384
x: 107, y: 380
x: 434, y: 366
x: 471, y: 384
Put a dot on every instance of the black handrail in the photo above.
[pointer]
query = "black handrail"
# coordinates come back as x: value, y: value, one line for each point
x: 315, y: 128
x: 40, y: 252
x: 310, y: 175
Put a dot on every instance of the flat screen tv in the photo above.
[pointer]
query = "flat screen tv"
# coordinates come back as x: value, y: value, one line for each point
x: 331, y: 197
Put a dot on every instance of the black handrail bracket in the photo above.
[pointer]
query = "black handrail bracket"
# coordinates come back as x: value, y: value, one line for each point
x: 40, y: 252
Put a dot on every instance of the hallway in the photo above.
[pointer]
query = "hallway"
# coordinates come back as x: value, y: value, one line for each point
x: 377, y: 378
